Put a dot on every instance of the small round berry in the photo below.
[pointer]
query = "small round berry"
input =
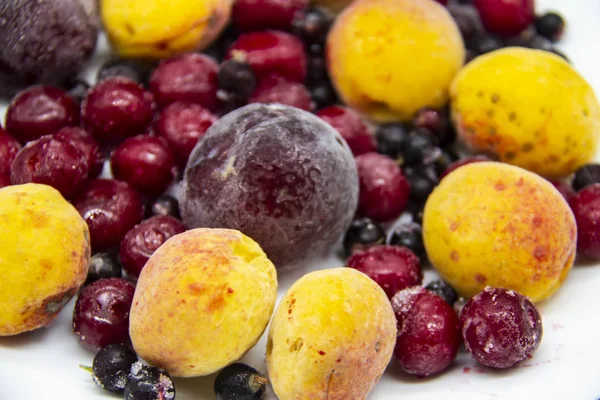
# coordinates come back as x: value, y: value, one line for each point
x: 323, y: 94
x: 435, y: 121
x: 350, y: 126
x: 103, y: 265
x: 585, y: 176
x: 312, y: 24
x: 149, y: 383
x: 384, y: 190
x: 240, y: 382
x: 422, y: 182
x: 390, y: 139
x: 111, y: 209
x: 564, y: 188
x: 144, y: 239
x: 444, y: 161
x: 586, y: 208
x: 506, y: 18
x: 275, y: 89
x: 253, y: 15
x: 78, y: 89
x: 53, y: 162
x: 408, y: 235
x: 164, y: 205
x: 467, y: 19
x: 484, y: 44
x: 428, y: 335
x: 146, y: 163
x: 111, y: 367
x: 420, y: 148
x: 541, y: 43
x: 317, y: 70
x: 117, y: 108
x: 101, y: 314
x: 40, y: 111
x: 444, y: 290
x: 9, y: 148
x: 271, y: 52
x: 236, y: 78
x: 85, y: 143
x: 550, y: 25
x: 189, y: 78
x: 362, y: 234
x: 123, y: 68
x: 465, y: 161
x: 500, y: 327
x: 393, y: 268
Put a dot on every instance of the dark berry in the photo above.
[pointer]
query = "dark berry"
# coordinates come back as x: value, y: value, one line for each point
x: 146, y: 163
x: 564, y: 188
x: 40, y: 111
x: 9, y: 148
x: 467, y: 19
x: 444, y: 161
x: 484, y: 44
x: 85, y: 143
x: 189, y: 78
x: 149, y: 383
x: 428, y: 336
x: 312, y: 24
x: 117, y: 108
x: 164, y: 205
x: 183, y: 124
x: 103, y: 265
x: 271, y: 52
x: 420, y: 148
x: 384, y: 190
x: 253, y: 15
x: 323, y: 94
x: 111, y: 209
x: 144, y: 239
x: 111, y: 367
x: 101, y: 314
x: 236, y: 78
x: 586, y: 208
x: 585, y: 176
x: 275, y: 89
x: 422, y: 182
x: 444, y: 290
x: 240, y: 382
x: 390, y: 139
x: 317, y: 70
x: 393, y: 268
x: 465, y: 161
x: 550, y: 25
x: 500, y: 327
x: 53, y: 162
x: 541, y: 43
x: 506, y: 18
x: 408, y: 235
x: 435, y: 121
x: 78, y: 89
x: 123, y: 68
x: 362, y: 234
x: 351, y: 127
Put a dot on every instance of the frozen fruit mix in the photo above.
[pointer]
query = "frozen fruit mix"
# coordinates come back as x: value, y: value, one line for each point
x: 148, y: 119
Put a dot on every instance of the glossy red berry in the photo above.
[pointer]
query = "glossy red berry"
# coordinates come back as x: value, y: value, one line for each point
x: 351, y: 126
x: 111, y: 209
x: 586, y: 208
x: 500, y: 327
x: 85, y: 143
x: 189, y: 78
x: 393, y: 268
x: 142, y: 241
x: 117, y: 108
x: 428, y: 335
x: 183, y: 124
x: 53, y: 162
x: 146, y: 163
x: 275, y: 89
x: 465, y: 161
x: 384, y: 191
x: 40, y: 111
x: 253, y: 15
x: 101, y: 314
x: 506, y: 17
x: 9, y: 147
x: 272, y: 52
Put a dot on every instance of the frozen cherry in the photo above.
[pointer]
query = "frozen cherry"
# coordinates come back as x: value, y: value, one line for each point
x: 144, y: 239
x: 146, y: 382
x: 312, y: 24
x: 146, y: 163
x: 103, y: 265
x: 390, y: 139
x: 85, y: 143
x: 586, y: 208
x: 500, y: 327
x: 351, y: 126
x: 53, y: 162
x: 393, y: 268
x: 428, y: 335
x: 101, y: 314
x: 465, y: 161
x: 564, y: 188
x: 189, y: 78
x: 111, y: 367
x: 506, y: 18
x: 550, y: 25
x: 384, y: 190
x: 40, y: 111
x: 408, y: 235
x: 253, y: 15
x: 275, y: 89
x: 585, y: 176
x: 269, y: 52
x: 164, y: 205
x: 9, y: 147
x: 111, y: 209
x: 240, y: 382
x: 362, y: 234
x: 183, y: 124
x: 117, y: 108
x: 444, y: 290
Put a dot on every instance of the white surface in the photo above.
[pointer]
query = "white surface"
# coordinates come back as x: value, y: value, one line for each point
x: 44, y: 364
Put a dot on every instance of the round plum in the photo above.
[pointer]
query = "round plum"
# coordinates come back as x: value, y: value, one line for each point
x: 279, y: 174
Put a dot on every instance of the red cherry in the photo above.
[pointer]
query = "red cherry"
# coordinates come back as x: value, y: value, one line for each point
x: 506, y: 17
x: 351, y: 126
